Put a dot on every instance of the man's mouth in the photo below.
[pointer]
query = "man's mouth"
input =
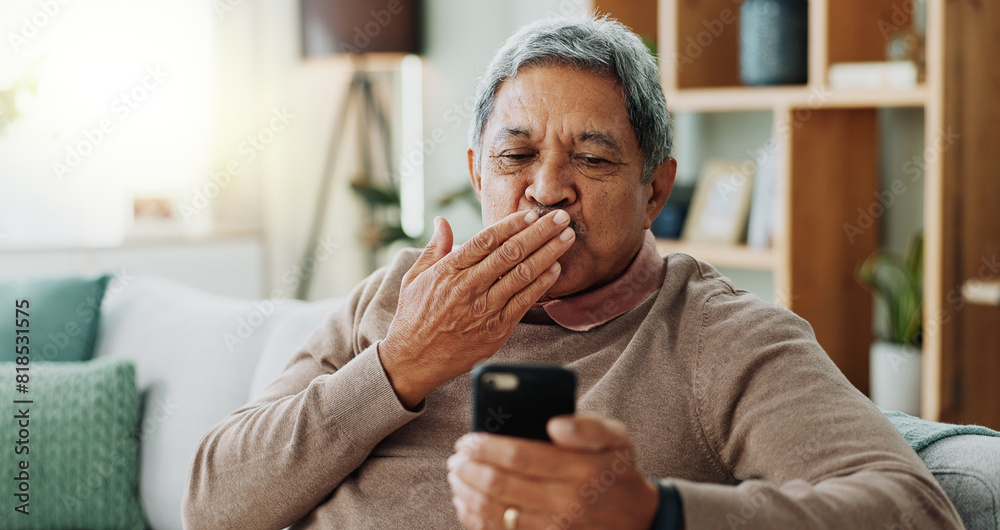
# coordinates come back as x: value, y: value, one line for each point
x: 578, y: 227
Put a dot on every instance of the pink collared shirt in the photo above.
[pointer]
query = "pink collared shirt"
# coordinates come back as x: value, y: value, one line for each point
x: 586, y: 311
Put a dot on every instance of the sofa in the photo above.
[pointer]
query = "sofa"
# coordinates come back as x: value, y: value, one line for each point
x: 198, y: 356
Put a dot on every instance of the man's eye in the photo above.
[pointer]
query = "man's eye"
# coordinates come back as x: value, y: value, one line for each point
x: 517, y: 157
x: 593, y: 161
x: 514, y: 160
x: 595, y: 166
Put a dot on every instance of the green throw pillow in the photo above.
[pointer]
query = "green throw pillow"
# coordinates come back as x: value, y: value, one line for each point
x: 71, y: 453
x: 61, y: 317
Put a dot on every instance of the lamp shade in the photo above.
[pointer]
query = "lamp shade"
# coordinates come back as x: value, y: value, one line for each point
x: 353, y: 26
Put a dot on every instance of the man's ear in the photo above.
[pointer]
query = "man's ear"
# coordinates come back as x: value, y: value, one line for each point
x: 474, y: 175
x: 661, y: 184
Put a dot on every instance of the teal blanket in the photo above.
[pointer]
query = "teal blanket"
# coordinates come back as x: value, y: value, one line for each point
x: 921, y: 433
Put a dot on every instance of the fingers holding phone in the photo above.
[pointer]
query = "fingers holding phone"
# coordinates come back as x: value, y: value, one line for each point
x: 582, y: 472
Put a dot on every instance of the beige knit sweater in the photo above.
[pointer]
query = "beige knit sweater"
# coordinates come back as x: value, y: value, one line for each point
x: 728, y: 397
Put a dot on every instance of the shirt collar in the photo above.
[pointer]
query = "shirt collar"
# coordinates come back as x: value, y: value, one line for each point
x: 586, y: 311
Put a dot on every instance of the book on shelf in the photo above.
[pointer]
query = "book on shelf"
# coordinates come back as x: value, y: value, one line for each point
x: 885, y: 75
x: 764, y: 208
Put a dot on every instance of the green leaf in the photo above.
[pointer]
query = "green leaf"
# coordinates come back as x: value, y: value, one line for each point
x: 896, y: 282
x: 391, y: 233
x: 376, y: 196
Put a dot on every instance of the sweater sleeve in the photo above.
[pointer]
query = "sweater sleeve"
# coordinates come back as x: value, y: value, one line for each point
x: 804, y: 448
x: 274, y: 460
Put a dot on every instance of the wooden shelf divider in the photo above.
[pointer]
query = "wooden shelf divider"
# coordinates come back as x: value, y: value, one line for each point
x: 729, y: 99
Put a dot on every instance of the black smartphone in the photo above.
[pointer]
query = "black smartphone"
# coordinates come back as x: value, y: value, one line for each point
x: 519, y: 399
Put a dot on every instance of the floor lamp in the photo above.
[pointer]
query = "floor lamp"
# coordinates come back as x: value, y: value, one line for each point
x: 348, y: 26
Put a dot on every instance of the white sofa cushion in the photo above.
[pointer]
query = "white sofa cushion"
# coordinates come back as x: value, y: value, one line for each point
x: 289, y: 331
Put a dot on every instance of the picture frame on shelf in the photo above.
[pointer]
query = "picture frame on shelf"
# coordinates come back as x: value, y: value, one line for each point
x: 156, y: 214
x: 720, y: 207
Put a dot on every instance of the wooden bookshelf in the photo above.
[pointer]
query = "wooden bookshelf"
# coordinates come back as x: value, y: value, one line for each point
x: 731, y: 99
x: 831, y: 168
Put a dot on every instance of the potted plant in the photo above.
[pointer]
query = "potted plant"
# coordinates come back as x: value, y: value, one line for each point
x: 896, y: 282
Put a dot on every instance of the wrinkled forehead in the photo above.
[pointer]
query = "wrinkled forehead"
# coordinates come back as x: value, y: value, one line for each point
x: 556, y: 83
x: 587, y: 105
x: 555, y: 65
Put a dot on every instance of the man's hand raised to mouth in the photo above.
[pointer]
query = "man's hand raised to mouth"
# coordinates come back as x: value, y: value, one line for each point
x: 457, y: 308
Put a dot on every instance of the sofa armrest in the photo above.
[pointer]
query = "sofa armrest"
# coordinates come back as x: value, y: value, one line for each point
x: 968, y: 468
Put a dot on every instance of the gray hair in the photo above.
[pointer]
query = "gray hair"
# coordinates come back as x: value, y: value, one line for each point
x: 598, y: 45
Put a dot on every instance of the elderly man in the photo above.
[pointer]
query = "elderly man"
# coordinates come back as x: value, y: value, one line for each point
x: 703, y: 406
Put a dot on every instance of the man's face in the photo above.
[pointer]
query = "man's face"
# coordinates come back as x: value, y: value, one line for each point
x: 559, y: 138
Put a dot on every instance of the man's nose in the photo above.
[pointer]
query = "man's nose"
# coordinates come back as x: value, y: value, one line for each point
x: 552, y: 184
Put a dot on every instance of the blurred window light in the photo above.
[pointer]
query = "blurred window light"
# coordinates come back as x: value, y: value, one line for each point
x: 411, y: 167
x: 122, y: 105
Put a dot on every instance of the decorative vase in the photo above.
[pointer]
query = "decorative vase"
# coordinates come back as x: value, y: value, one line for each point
x: 906, y: 43
x: 774, y: 42
x: 895, y: 377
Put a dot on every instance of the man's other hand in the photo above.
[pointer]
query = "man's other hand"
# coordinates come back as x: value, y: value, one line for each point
x: 587, y: 478
x: 457, y: 308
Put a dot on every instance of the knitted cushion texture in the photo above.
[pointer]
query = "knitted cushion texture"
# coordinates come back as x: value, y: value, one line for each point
x: 83, y: 459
